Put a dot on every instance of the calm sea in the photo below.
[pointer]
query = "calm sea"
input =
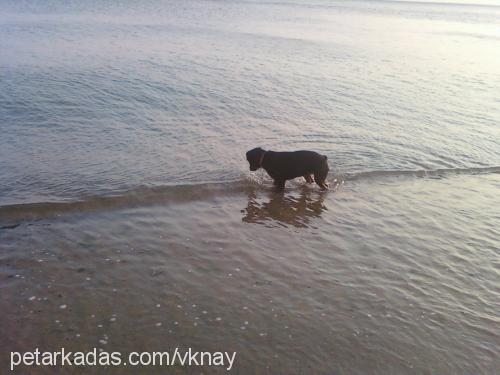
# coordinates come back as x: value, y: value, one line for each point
x: 124, y: 184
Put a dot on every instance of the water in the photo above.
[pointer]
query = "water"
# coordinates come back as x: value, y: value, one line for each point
x: 99, y: 98
x: 123, y: 134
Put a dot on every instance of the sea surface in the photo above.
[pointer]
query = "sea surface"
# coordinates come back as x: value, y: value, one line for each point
x: 125, y: 195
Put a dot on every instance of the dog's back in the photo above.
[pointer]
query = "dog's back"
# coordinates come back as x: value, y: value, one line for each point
x: 294, y: 164
x: 282, y: 166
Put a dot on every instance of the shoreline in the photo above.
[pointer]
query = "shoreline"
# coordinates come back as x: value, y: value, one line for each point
x: 173, y: 194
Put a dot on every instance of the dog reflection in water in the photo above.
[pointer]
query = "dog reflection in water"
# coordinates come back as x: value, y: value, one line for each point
x: 292, y: 209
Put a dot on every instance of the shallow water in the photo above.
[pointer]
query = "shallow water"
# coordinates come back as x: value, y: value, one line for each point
x: 126, y: 198
x: 324, y: 281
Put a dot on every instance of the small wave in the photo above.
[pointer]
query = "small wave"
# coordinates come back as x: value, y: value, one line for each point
x: 144, y: 196
x: 141, y: 196
x: 443, y: 172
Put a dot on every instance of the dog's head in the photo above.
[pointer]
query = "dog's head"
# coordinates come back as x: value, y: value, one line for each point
x: 254, y: 157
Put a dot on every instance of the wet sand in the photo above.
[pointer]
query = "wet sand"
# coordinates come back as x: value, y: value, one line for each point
x: 386, y: 275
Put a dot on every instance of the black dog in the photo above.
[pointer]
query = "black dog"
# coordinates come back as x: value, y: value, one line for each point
x: 282, y: 166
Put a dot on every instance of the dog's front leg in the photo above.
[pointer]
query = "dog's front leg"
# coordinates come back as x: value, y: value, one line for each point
x: 280, y: 184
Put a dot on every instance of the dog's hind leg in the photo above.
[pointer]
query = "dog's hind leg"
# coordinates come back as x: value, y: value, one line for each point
x: 321, y: 173
x: 323, y: 185
x: 309, y: 179
x: 320, y: 180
